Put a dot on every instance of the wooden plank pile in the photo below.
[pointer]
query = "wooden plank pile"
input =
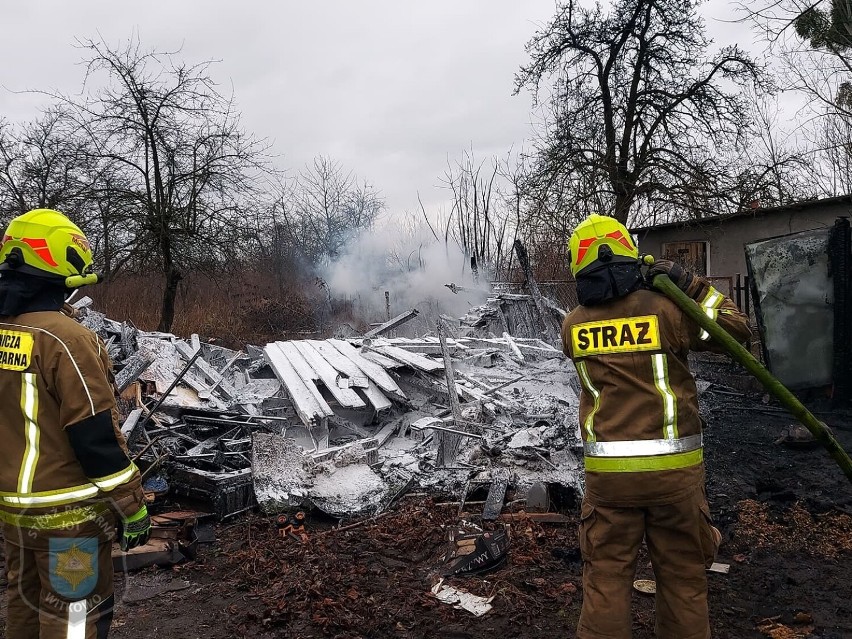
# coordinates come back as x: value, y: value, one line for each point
x: 351, y: 378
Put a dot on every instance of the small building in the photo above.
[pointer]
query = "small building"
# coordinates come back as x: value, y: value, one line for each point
x: 715, y: 246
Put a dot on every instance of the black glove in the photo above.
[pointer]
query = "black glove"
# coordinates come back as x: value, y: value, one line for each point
x: 681, y: 278
x: 135, y: 530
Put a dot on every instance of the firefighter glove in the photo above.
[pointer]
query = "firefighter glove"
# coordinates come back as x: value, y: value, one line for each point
x: 676, y: 274
x: 134, y: 530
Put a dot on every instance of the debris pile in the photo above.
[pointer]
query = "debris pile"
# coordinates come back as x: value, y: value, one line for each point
x: 348, y: 425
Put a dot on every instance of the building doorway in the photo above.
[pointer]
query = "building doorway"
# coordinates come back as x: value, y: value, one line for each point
x: 692, y: 256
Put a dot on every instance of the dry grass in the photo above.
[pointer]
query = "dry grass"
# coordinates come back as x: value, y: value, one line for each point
x: 826, y: 535
x: 251, y: 306
x: 246, y: 307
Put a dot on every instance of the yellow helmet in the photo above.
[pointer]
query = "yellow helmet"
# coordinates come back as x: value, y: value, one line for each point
x: 600, y: 239
x: 45, y: 243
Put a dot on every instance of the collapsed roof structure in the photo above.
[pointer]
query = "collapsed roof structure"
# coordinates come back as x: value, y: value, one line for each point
x: 349, y: 425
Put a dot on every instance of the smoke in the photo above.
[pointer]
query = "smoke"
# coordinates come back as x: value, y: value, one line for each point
x: 414, y: 270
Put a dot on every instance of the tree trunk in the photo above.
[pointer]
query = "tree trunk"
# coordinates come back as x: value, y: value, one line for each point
x: 623, y: 202
x: 167, y: 314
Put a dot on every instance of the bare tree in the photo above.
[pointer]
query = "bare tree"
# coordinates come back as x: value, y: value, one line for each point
x: 811, y: 40
x: 638, y: 109
x: 830, y: 165
x: 824, y: 24
x: 324, y: 208
x: 44, y: 164
x: 772, y: 172
x: 176, y: 161
x: 480, y: 228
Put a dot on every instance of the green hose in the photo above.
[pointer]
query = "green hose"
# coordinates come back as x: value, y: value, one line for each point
x: 776, y: 388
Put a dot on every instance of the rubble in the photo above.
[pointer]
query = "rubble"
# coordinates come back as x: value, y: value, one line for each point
x: 348, y: 425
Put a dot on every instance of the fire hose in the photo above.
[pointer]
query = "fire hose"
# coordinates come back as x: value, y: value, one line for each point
x: 736, y: 350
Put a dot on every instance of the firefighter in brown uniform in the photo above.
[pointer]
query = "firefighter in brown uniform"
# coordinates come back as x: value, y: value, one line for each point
x: 65, y: 477
x: 641, y: 434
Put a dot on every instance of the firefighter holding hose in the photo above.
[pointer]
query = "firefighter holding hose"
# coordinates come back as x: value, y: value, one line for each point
x: 641, y: 433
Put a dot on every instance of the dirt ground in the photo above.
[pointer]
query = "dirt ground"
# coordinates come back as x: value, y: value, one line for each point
x: 785, y: 513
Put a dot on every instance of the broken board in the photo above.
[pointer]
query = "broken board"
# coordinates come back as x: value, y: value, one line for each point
x: 371, y: 369
x: 414, y: 360
x: 310, y: 411
x: 328, y: 376
x: 340, y: 362
x: 494, y: 501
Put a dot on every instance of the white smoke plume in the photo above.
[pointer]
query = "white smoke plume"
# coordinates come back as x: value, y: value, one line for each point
x: 414, y: 270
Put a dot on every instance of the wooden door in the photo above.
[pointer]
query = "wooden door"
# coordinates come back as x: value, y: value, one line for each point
x: 690, y: 255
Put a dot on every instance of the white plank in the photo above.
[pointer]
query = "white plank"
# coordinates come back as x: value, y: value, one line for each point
x: 535, y: 342
x: 371, y: 369
x: 425, y: 345
x: 399, y: 320
x: 377, y: 358
x: 298, y: 360
x: 309, y: 411
x: 386, y: 433
x: 131, y: 421
x: 450, y: 341
x: 513, y: 347
x: 308, y: 374
x: 377, y: 398
x: 328, y: 376
x: 340, y: 362
x: 410, y: 359
x: 424, y: 348
x: 485, y: 342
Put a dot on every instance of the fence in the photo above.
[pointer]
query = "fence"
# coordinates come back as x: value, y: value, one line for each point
x: 563, y: 292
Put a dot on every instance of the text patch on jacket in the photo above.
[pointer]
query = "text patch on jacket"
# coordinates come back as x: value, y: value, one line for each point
x: 625, y: 335
x: 16, y: 350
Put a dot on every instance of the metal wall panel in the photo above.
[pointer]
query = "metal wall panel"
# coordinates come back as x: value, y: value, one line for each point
x: 793, y: 298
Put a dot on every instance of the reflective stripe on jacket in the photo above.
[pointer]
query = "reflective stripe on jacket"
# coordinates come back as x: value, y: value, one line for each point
x: 638, y: 407
x: 54, y: 373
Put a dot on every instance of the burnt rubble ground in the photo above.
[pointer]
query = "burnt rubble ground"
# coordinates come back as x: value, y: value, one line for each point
x: 785, y: 513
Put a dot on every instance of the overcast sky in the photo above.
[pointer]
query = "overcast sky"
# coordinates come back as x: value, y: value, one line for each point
x: 390, y: 88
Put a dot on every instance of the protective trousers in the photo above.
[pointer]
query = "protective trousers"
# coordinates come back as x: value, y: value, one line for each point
x: 59, y: 588
x: 681, y: 544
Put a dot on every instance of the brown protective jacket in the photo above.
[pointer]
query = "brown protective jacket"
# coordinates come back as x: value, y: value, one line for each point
x: 631, y: 357
x: 54, y: 374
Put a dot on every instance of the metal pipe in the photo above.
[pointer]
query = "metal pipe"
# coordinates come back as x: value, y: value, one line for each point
x: 218, y: 421
x: 450, y: 430
x: 277, y: 419
x: 171, y: 387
